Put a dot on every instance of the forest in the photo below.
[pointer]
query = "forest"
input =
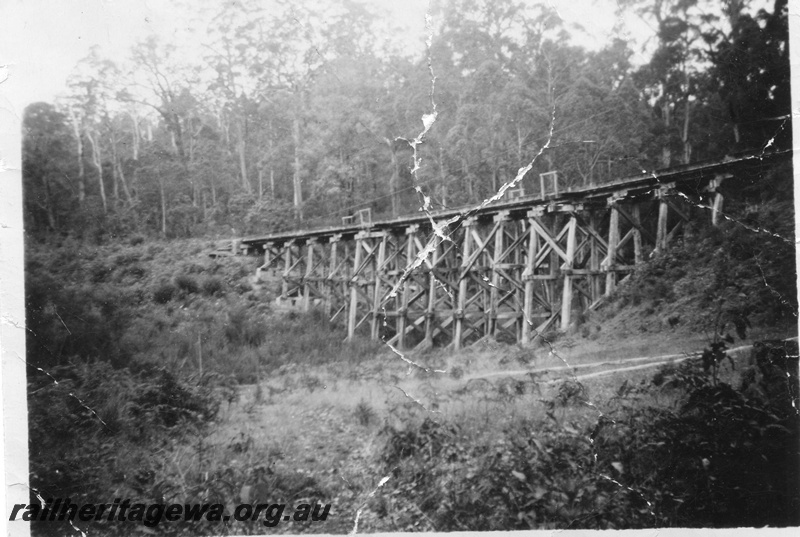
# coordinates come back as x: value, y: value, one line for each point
x: 292, y: 115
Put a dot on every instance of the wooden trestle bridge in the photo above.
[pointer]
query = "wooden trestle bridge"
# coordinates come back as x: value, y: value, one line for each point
x: 511, y: 269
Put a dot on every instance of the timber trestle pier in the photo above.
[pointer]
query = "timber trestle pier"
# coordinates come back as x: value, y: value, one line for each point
x: 510, y: 270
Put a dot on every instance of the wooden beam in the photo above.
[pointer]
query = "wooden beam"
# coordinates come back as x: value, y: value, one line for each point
x: 661, y: 233
x: 497, y: 257
x: 430, y: 311
x: 332, y: 266
x: 613, y: 240
x: 352, y: 314
x: 530, y: 267
x: 637, y: 235
x: 633, y: 219
x: 538, y: 227
x: 462, y: 284
x: 566, y: 300
x: 402, y: 318
x: 377, y: 289
x: 287, y: 258
x: 594, y: 259
x: 310, y: 243
x: 716, y: 209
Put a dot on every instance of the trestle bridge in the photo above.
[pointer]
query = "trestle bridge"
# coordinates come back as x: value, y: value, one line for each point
x: 511, y: 269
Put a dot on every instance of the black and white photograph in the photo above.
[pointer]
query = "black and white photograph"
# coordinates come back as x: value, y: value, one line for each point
x: 367, y: 266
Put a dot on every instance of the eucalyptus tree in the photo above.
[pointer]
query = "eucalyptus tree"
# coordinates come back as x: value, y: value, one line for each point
x: 160, y: 80
x: 602, y: 116
x: 674, y: 81
x: 504, y: 86
x: 91, y: 104
x: 232, y: 52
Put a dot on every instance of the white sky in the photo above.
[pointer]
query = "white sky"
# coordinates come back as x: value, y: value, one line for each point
x: 42, y: 40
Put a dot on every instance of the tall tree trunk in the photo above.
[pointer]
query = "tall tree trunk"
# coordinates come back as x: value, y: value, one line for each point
x: 179, y: 145
x: 114, y: 176
x: 442, y: 177
x: 136, y: 136
x: 163, y: 206
x: 124, y: 183
x: 470, y: 190
x: 298, y: 187
x: 117, y: 162
x: 272, y: 181
x: 81, y: 172
x: 394, y: 179
x: 687, y: 144
x: 114, y: 183
x: 97, y: 160
x: 241, y: 147
x: 666, y: 150
x: 271, y: 168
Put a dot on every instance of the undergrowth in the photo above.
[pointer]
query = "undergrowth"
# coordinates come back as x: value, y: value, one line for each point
x: 725, y: 456
x: 135, y: 353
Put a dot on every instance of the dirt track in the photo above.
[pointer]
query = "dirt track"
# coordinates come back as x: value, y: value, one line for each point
x: 650, y: 361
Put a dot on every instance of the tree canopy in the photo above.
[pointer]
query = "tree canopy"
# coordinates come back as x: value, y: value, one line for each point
x: 297, y: 114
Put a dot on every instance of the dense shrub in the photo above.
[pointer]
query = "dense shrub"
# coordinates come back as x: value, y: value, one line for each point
x: 728, y: 457
x: 93, y: 433
x: 99, y: 272
x: 186, y: 284
x: 212, y: 285
x: 243, y: 329
x: 163, y: 293
x: 127, y: 258
x: 85, y: 321
x: 724, y: 457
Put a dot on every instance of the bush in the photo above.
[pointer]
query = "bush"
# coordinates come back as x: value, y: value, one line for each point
x: 720, y: 459
x: 242, y: 329
x: 136, y: 270
x: 726, y: 458
x: 186, y: 284
x: 99, y: 431
x: 126, y: 259
x: 99, y: 272
x: 364, y: 413
x: 212, y: 286
x: 163, y: 293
